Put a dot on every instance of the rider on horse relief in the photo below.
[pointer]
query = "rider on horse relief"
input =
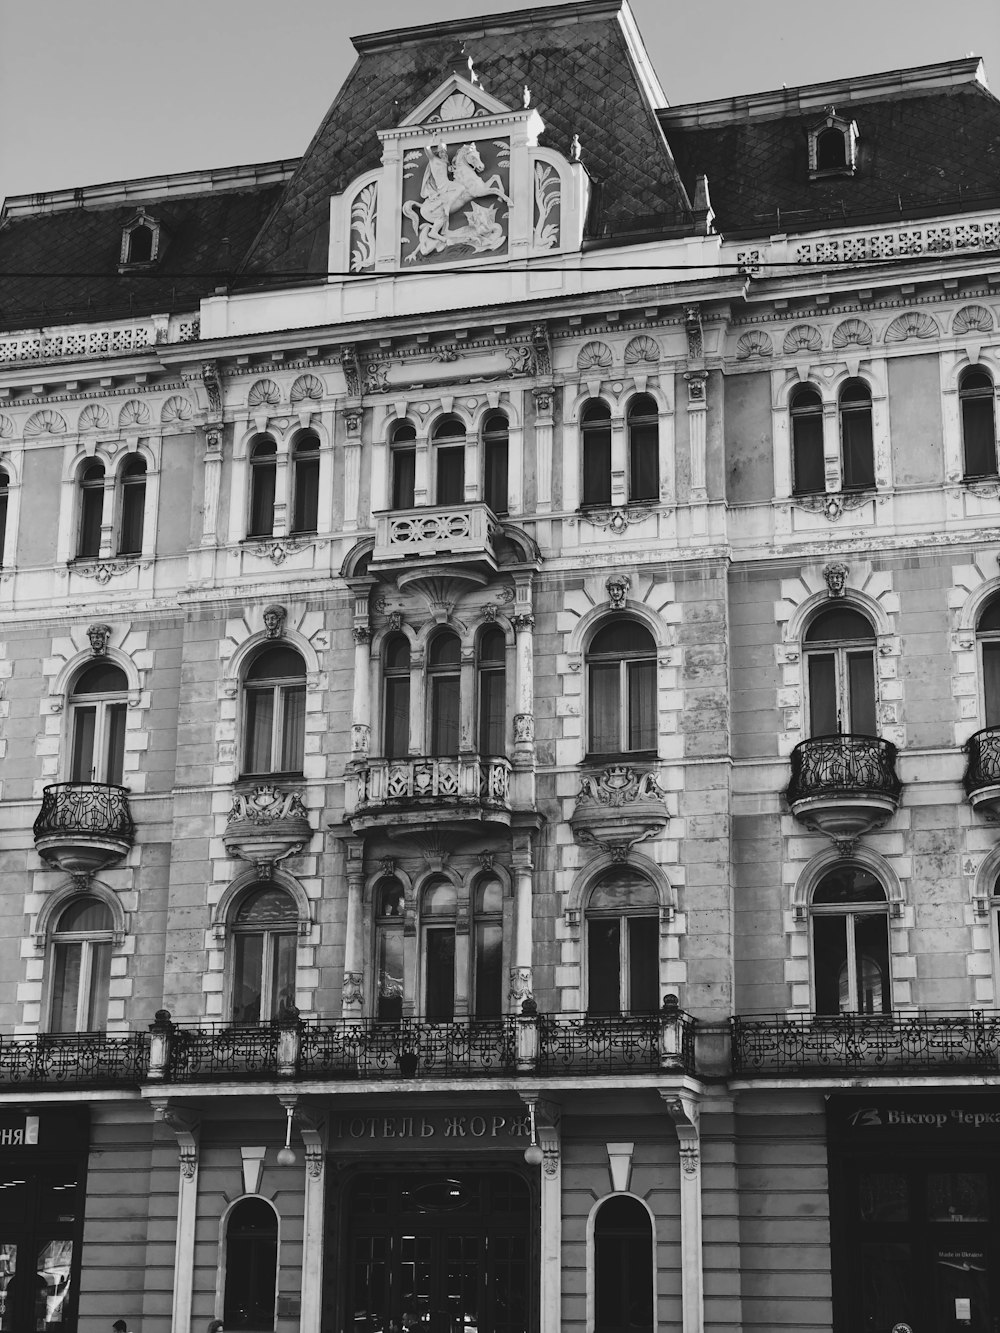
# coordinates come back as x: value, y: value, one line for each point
x: 447, y: 186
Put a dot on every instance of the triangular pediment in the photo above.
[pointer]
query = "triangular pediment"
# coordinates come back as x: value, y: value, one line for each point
x: 456, y: 99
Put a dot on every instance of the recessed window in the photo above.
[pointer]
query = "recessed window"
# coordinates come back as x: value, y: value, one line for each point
x: 403, y: 462
x: 988, y: 639
x: 487, y: 952
x: 396, y: 691
x: 274, y: 713
x: 263, y: 477
x: 81, y: 967
x: 857, y: 450
x: 643, y: 428
x: 623, y: 1267
x: 850, y: 923
x: 595, y: 427
x: 495, y: 448
x: 444, y: 663
x: 88, y: 545
x: 979, y: 436
x: 251, y: 1266
x: 623, y: 945
x: 390, y: 906
x: 833, y: 146
x: 439, y: 908
x: 265, y: 930
x: 808, y: 468
x: 621, y: 680
x: 840, y: 668
x: 98, y: 707
x: 491, y: 664
x: 143, y: 239
x: 449, y: 462
x: 133, y: 506
x: 4, y: 494
x: 305, y: 483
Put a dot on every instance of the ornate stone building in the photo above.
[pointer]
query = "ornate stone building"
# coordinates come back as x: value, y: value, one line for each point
x: 499, y: 704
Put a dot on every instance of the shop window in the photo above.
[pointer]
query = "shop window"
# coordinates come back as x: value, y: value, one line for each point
x: 840, y: 669
x: 621, y: 683
x: 857, y: 450
x: 274, y: 712
x: 492, y: 701
x: 495, y: 453
x: 643, y: 425
x: 305, y: 483
x: 438, y: 910
x: 979, y: 438
x: 390, y: 907
x: 623, y: 944
x: 251, y: 1266
x: 41, y: 1221
x: 487, y: 953
x: 596, y: 430
x: 850, y: 929
x: 4, y: 494
x: 265, y: 928
x: 133, y: 506
x: 403, y: 466
x: 808, y: 468
x: 988, y: 639
x: 623, y: 1267
x: 81, y: 967
x: 88, y: 545
x: 97, y: 708
x: 449, y: 462
x: 263, y: 477
x: 396, y: 690
x: 444, y: 661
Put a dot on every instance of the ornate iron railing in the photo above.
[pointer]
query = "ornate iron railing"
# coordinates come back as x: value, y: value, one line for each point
x: 430, y: 531
x: 223, y: 1050
x: 870, y: 1044
x: 410, y: 1048
x: 473, y: 781
x: 832, y: 765
x: 85, y: 807
x: 983, y: 766
x: 607, y: 1044
x: 74, y: 1060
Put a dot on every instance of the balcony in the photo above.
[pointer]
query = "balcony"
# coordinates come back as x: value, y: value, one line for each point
x: 982, y: 771
x: 873, y: 1045
x: 844, y: 786
x: 447, y: 792
x: 83, y: 827
x: 73, y: 1060
x: 440, y: 552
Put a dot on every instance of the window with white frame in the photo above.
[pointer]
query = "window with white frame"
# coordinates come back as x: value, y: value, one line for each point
x: 438, y: 914
x: 623, y: 944
x: 402, y: 466
x: 4, y: 495
x: 396, y: 697
x: 449, y: 461
x: 808, y: 466
x: 263, y: 479
x: 487, y: 949
x: 621, y: 689
x: 132, y: 505
x: 624, y: 1298
x: 305, y: 482
x: 91, y: 510
x: 491, y: 668
x: 98, y: 709
x: 274, y: 708
x: 839, y: 654
x: 80, y: 966
x: 850, y: 943
x: 857, y: 450
x: 642, y: 424
x: 979, y: 436
x: 264, y: 939
x: 496, y: 432
x: 988, y: 643
x: 444, y: 666
x: 390, y: 908
x: 595, y: 427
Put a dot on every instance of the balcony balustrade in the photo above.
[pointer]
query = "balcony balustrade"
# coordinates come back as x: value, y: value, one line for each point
x: 83, y: 827
x: 870, y: 1044
x: 74, y: 1060
x: 450, y: 531
x: 844, y: 785
x: 442, y: 789
x: 982, y: 770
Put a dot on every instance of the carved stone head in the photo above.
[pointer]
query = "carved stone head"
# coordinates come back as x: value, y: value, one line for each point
x: 618, y: 586
x: 836, y: 578
x: 99, y: 636
x: 274, y: 621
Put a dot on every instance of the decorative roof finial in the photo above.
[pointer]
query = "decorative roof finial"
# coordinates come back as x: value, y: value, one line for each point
x: 460, y: 63
x: 527, y: 97
x: 575, y: 149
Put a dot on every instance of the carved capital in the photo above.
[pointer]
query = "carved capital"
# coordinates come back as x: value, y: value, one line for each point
x: 185, y: 1130
x: 524, y: 728
x: 362, y: 634
x: 353, y: 992
x: 524, y: 620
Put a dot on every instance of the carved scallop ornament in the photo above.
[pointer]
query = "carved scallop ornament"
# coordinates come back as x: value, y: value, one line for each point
x: 306, y: 386
x: 973, y: 318
x: 642, y: 350
x: 264, y: 393
x: 802, y: 338
x: 754, y: 342
x: 6, y: 428
x: 94, y: 417
x: 176, y: 409
x: 594, y: 354
x: 852, y: 333
x: 46, y: 422
x: 914, y: 324
x: 134, y: 413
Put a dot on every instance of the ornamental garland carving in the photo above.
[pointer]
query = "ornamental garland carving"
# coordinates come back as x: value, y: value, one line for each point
x: 616, y: 520
x: 914, y: 324
x: 973, y: 317
x: 364, y: 219
x: 103, y: 570
x: 852, y: 333
x: 832, y: 506
x: 548, y: 190
x: 265, y: 805
x: 620, y: 785
x: 802, y: 338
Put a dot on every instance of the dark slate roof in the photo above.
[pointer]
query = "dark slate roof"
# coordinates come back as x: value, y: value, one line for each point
x: 60, y: 264
x: 919, y: 153
x: 576, y: 62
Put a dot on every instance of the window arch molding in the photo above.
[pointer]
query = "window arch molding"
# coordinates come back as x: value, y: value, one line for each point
x: 456, y: 412
x: 829, y: 859
x: 225, y: 910
x: 392, y: 423
x: 781, y: 400
x: 245, y: 653
x: 591, y: 1251
x: 223, y: 1250
x: 588, y: 878
x: 379, y: 877
x: 985, y: 885
x: 60, y: 898
x: 505, y: 407
x: 91, y: 452
x: 812, y: 607
x: 62, y: 686
x: 599, y: 617
x: 967, y: 618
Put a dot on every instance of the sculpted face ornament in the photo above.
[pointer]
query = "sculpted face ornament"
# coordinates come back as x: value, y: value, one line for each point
x: 836, y: 578
x: 99, y: 636
x: 274, y: 621
x: 617, y: 586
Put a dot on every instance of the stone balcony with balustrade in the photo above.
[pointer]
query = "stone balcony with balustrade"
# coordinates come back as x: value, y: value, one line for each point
x: 450, y: 545
x: 444, y: 791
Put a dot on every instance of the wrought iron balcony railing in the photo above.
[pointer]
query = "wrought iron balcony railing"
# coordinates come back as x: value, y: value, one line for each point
x: 74, y: 1060
x: 95, y: 808
x: 843, y: 765
x: 465, y: 529
x: 611, y: 1044
x: 474, y: 781
x: 982, y: 769
x: 874, y: 1044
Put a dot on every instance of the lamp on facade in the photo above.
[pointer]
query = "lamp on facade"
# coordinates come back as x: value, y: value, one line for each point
x: 286, y: 1155
x: 532, y: 1154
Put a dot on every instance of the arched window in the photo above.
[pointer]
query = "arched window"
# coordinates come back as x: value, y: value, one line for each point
x: 495, y: 444
x: 808, y: 468
x: 274, y: 712
x: 390, y: 907
x: 91, y: 511
x: 251, y: 1266
x: 81, y: 967
x: 403, y: 465
x: 263, y: 474
x: 487, y: 953
x: 831, y: 150
x: 850, y: 925
x: 621, y: 680
x: 98, y: 707
x: 444, y: 662
x: 492, y: 701
x: 438, y: 910
x: 596, y: 429
x: 623, y: 944
x: 265, y: 927
x: 4, y: 494
x: 979, y: 436
x: 449, y: 462
x: 140, y: 245
x: 988, y: 638
x: 856, y: 448
x: 133, y: 506
x: 623, y: 1267
x: 305, y: 483
x: 396, y: 693
x: 643, y: 423
x: 840, y: 668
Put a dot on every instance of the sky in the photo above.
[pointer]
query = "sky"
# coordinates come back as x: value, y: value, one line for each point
x: 104, y: 90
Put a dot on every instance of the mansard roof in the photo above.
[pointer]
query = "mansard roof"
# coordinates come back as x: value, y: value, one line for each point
x: 588, y: 76
x: 928, y: 143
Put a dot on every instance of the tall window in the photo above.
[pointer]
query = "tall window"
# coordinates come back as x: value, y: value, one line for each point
x: 263, y: 473
x: 596, y: 429
x: 840, y: 667
x: 495, y: 442
x: 449, y: 462
x: 831, y: 150
x: 133, y: 506
x: 492, y: 692
x: 305, y: 483
x: 4, y: 493
x: 444, y: 662
x: 251, y: 1266
x: 264, y: 937
x: 988, y: 637
x: 623, y: 944
x: 91, y: 511
x: 979, y: 436
x: 621, y: 672
x: 390, y: 906
x: 623, y: 1267
x: 856, y: 447
x: 643, y: 425
x: 140, y: 245
x: 81, y: 967
x: 396, y: 690
x: 808, y: 468
x: 403, y: 463
x: 98, y: 707
x: 438, y: 911
x: 487, y: 960
x: 850, y: 924
x: 274, y: 714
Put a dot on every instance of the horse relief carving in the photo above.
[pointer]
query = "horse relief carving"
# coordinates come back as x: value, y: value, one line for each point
x: 440, y: 205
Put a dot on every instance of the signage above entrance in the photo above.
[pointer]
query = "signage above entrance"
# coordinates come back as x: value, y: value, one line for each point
x: 437, y: 1128
x: 887, y: 1120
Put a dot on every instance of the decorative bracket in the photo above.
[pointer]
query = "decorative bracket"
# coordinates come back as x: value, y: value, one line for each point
x: 185, y: 1129
x: 684, y: 1111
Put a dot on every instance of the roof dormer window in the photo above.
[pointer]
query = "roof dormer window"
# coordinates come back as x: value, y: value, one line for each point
x: 142, y: 240
x: 833, y: 146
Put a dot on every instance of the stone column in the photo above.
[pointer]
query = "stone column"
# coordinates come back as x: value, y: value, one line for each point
x: 312, y: 1225
x: 520, y: 971
x: 544, y: 426
x: 352, y: 473
x: 684, y: 1111
x: 185, y: 1131
x: 697, y: 424
x: 353, y: 995
x: 213, y: 485
x: 361, y: 705
x: 524, y: 687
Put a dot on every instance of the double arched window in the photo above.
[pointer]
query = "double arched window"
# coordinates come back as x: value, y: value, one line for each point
x: 640, y: 468
x: 621, y: 689
x: 80, y: 966
x: 623, y: 944
x: 98, y: 705
x: 264, y: 935
x: 850, y: 939
x: 808, y: 468
x: 125, y: 508
x: 596, y: 430
x: 840, y: 670
x: 642, y: 426
x: 274, y: 708
x: 857, y: 450
x: 979, y: 438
